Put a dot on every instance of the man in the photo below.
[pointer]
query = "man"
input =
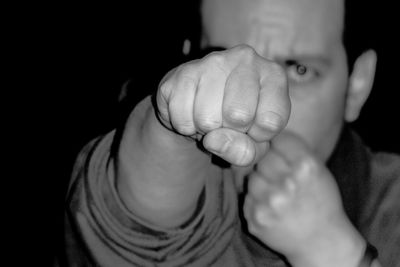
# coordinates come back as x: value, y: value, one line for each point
x: 274, y: 105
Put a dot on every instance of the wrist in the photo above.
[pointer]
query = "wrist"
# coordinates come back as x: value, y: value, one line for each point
x: 159, y: 174
x: 343, y: 248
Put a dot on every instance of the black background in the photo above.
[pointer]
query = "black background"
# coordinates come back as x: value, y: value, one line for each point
x: 71, y: 61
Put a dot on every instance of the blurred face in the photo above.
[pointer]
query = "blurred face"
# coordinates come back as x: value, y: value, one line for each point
x: 305, y: 37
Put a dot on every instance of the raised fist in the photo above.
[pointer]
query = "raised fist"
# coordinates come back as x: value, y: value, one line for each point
x: 235, y: 100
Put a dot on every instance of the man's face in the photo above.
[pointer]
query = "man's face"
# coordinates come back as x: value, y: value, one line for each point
x: 305, y: 37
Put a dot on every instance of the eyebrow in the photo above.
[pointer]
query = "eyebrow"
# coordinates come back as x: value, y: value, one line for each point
x: 315, y: 58
x: 320, y: 59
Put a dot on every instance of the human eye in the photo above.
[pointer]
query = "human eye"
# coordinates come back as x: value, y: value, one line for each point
x: 301, y: 73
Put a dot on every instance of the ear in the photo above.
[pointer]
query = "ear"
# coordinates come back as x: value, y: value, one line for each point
x: 360, y: 84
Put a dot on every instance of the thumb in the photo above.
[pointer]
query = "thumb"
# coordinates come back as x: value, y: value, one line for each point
x: 233, y: 146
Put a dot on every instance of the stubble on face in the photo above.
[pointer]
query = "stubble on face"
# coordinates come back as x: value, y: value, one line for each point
x: 290, y: 31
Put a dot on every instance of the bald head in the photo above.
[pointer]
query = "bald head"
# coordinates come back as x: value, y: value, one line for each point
x: 306, y: 38
x: 272, y: 26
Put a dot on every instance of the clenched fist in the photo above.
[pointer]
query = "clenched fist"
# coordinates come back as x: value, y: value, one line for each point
x: 293, y: 205
x: 235, y: 100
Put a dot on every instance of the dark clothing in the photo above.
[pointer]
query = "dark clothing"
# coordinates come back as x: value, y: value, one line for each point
x: 100, y: 231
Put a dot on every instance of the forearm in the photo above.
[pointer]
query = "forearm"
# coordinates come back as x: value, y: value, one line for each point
x: 160, y: 174
x: 100, y: 231
x: 338, y: 248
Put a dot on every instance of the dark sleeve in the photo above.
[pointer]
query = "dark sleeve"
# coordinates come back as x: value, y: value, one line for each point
x: 381, y: 220
x: 100, y: 231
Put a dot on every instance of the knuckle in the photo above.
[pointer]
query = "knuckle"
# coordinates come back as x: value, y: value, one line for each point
x: 165, y: 88
x: 207, y: 123
x: 238, y: 116
x: 215, y: 59
x: 275, y: 74
x: 290, y: 185
x: 187, y: 71
x: 306, y: 168
x: 307, y: 160
x: 187, y: 83
x: 245, y: 50
x: 278, y: 74
x: 270, y: 121
x: 243, y: 54
x: 185, y: 127
x: 262, y: 215
x: 278, y: 200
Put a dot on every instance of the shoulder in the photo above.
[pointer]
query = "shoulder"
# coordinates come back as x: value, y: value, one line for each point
x: 384, y: 186
x: 385, y: 169
x: 381, y: 220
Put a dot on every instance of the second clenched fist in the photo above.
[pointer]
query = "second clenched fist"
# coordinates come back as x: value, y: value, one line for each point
x: 235, y: 98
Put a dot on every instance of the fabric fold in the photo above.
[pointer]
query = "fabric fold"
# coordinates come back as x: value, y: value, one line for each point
x: 109, y: 227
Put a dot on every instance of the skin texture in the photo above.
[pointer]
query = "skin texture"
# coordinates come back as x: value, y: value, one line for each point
x: 273, y: 105
x: 294, y: 33
x: 293, y: 203
x: 236, y: 99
